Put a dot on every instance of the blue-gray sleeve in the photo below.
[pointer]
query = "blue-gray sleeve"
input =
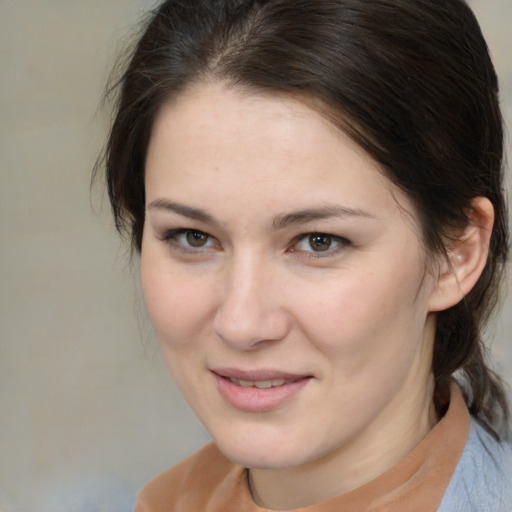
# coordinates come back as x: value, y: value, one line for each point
x: 482, y: 481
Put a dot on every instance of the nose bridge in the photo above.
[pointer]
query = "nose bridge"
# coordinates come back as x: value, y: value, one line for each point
x: 250, y: 311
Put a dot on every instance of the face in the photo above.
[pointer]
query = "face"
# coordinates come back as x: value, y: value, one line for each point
x: 285, y: 280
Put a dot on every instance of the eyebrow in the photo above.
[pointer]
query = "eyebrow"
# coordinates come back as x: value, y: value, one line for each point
x: 278, y: 221
x: 186, y: 211
x: 313, y: 214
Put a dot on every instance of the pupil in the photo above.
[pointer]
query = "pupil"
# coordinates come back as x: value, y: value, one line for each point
x: 196, y: 239
x: 320, y: 242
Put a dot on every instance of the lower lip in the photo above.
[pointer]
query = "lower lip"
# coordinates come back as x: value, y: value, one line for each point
x: 258, y: 400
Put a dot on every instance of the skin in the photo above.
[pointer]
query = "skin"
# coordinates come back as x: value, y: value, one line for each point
x: 357, y: 318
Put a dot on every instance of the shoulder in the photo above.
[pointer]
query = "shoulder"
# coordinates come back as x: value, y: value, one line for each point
x: 188, y: 484
x: 483, y: 477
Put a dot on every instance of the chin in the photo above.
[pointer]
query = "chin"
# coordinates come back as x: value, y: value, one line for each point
x: 260, y: 451
x: 256, y: 459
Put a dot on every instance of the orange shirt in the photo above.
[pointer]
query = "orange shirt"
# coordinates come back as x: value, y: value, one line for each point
x: 208, y: 482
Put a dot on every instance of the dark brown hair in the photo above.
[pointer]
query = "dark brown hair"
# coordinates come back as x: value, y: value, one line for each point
x: 411, y: 81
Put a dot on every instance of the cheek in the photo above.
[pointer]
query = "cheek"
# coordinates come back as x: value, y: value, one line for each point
x: 365, y: 315
x: 176, y: 303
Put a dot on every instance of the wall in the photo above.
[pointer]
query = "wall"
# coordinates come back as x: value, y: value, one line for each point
x: 88, y: 412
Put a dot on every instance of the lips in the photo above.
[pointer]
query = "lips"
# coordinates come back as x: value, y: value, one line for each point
x: 260, y: 390
x: 260, y: 384
x: 257, y: 375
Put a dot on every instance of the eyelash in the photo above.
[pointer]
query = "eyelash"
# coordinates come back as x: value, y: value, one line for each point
x: 341, y: 243
x: 171, y: 237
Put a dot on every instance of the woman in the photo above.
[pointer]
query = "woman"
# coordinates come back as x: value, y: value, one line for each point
x: 315, y: 190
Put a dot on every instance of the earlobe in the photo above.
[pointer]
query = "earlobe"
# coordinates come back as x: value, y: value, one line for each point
x: 467, y: 257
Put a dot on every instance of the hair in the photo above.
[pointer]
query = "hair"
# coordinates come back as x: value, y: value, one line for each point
x: 410, y: 81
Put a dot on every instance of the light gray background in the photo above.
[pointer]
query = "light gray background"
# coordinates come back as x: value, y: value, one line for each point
x: 88, y: 413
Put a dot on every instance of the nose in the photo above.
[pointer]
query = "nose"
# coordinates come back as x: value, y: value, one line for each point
x: 251, y: 311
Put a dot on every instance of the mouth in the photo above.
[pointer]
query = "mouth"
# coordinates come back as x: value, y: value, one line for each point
x: 258, y: 391
x: 260, y: 384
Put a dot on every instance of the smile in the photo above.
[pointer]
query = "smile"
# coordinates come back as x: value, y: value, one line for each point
x: 258, y: 391
x: 260, y: 384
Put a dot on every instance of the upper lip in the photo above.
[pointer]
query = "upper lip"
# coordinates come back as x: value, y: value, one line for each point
x: 257, y: 375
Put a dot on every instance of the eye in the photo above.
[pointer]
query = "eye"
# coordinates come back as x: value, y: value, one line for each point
x: 188, y: 239
x: 196, y: 238
x: 319, y: 243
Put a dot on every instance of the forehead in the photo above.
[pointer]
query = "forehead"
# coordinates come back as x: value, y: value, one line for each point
x: 216, y: 141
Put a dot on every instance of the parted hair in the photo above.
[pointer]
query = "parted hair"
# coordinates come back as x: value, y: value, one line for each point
x: 410, y: 81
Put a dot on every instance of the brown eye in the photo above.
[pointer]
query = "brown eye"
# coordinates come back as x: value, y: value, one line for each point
x: 320, y: 242
x: 196, y: 238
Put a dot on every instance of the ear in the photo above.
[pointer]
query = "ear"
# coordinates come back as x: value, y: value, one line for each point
x: 467, y: 257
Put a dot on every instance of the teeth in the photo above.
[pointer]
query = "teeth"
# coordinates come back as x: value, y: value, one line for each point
x: 260, y: 384
x: 263, y: 384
